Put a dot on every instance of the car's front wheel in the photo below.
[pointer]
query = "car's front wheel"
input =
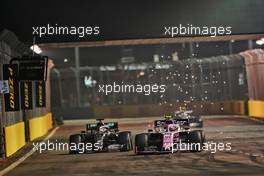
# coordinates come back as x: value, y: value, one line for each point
x: 74, y: 142
x: 196, y: 139
x: 141, y: 141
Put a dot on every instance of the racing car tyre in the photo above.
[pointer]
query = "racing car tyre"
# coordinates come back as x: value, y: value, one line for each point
x: 141, y: 141
x: 196, y: 137
x: 125, y: 140
x: 76, y: 139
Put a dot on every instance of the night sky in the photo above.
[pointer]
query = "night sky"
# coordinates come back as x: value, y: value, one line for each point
x: 124, y: 19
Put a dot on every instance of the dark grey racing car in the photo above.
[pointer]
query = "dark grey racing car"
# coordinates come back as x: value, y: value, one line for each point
x: 100, y: 136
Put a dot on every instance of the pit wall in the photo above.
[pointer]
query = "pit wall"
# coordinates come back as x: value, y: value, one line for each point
x: 15, y: 134
x: 201, y: 108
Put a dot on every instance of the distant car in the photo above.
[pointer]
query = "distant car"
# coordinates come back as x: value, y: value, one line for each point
x: 102, y: 137
x: 169, y: 135
x: 193, y: 120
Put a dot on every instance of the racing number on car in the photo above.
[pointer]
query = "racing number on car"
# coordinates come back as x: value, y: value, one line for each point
x: 167, y: 140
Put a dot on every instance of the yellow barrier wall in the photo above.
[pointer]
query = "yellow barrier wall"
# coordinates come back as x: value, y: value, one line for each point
x: 204, y: 108
x: 101, y: 111
x: 256, y: 108
x: 14, y: 138
x: 40, y: 126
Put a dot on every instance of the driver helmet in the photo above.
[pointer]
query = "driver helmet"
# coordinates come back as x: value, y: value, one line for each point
x: 103, y: 129
x: 173, y: 127
x: 167, y: 117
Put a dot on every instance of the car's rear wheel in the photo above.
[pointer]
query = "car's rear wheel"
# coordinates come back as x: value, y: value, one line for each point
x: 125, y: 140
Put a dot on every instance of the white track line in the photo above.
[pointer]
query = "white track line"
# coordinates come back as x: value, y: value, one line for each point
x: 247, y: 153
x: 20, y: 160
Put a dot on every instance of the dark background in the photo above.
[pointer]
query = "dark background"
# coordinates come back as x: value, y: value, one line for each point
x: 124, y: 19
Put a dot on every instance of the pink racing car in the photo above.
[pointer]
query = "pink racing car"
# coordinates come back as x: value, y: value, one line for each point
x: 169, y: 135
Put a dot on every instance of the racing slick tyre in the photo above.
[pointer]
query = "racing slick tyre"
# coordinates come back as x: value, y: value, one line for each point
x: 125, y: 140
x: 141, y: 141
x: 91, y: 139
x: 75, y: 140
x: 196, y: 140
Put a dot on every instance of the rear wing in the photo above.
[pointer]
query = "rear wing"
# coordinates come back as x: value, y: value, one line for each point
x: 94, y: 126
x: 181, y: 122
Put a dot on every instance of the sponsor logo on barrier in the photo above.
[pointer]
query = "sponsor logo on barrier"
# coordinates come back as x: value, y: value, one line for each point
x: 10, y: 73
x: 26, y: 95
x: 40, y: 94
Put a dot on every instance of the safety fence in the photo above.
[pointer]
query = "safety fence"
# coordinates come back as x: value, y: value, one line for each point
x: 188, y: 82
x: 206, y: 85
x: 209, y: 79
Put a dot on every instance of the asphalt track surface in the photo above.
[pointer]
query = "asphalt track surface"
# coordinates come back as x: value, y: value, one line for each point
x: 245, y: 158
